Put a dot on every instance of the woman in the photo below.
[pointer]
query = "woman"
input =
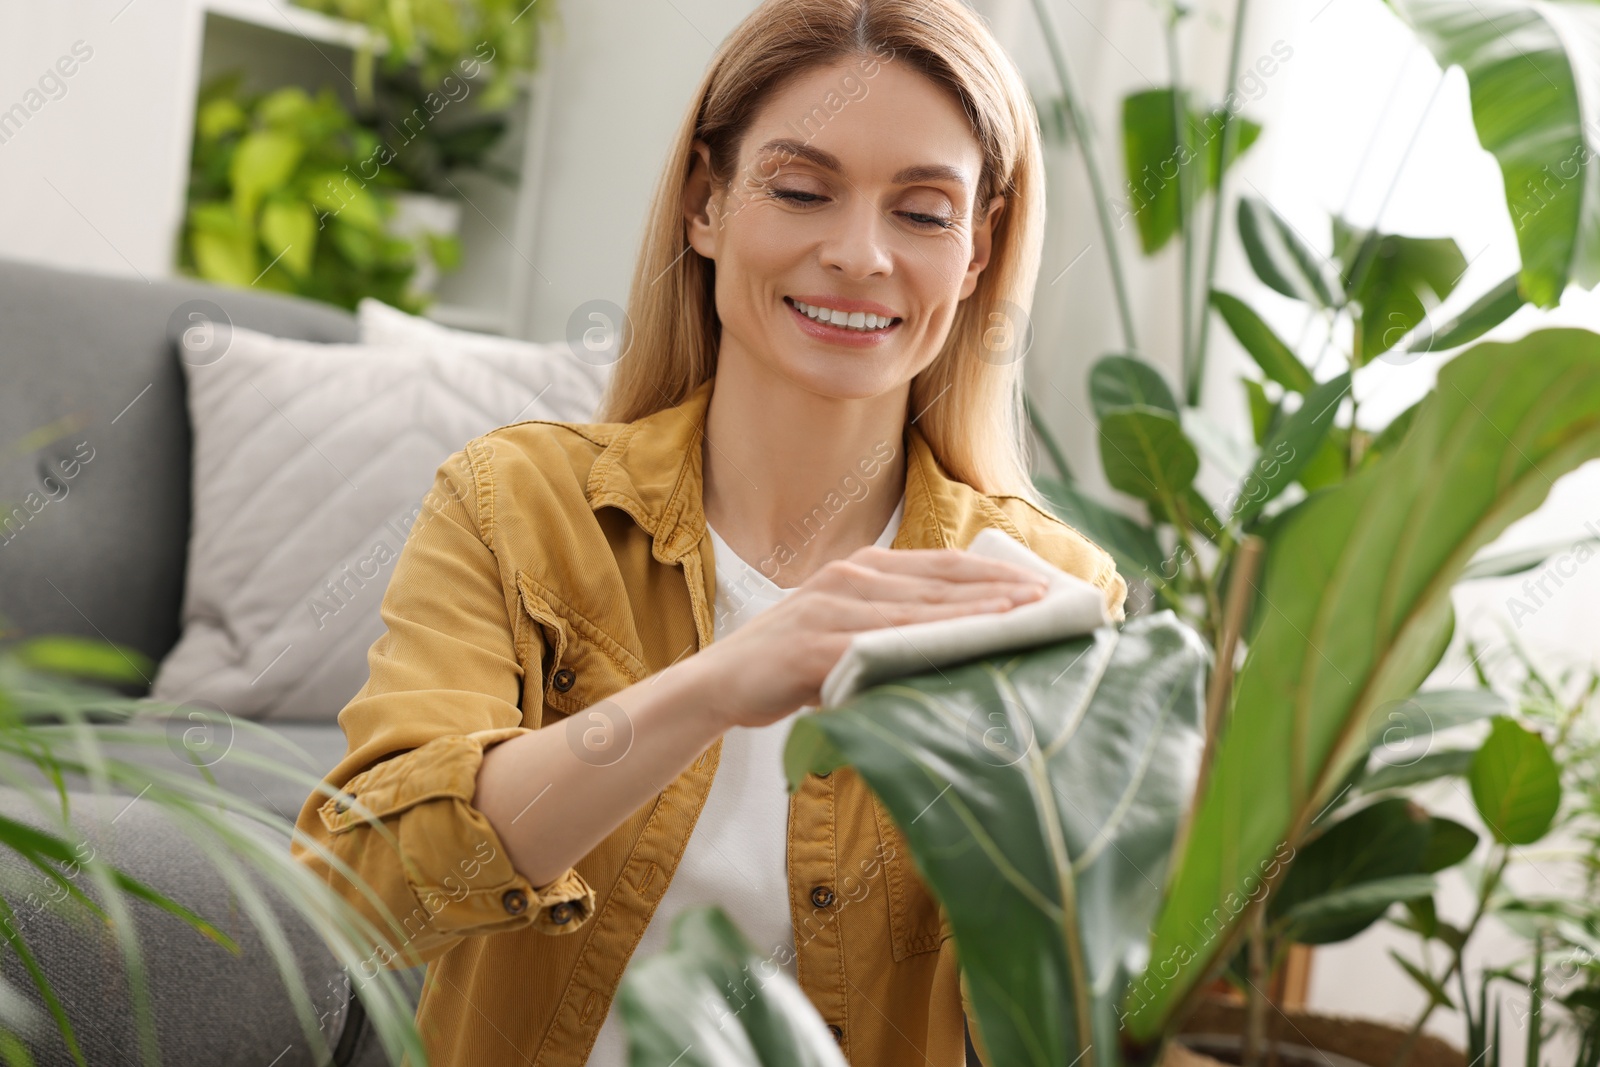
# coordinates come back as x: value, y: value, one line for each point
x: 810, y: 422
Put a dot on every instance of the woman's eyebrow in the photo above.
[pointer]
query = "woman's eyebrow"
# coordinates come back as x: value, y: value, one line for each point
x: 921, y: 172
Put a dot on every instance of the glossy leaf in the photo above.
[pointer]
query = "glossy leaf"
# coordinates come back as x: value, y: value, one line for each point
x: 1378, y: 842
x: 1275, y: 358
x: 1356, y: 612
x: 708, y: 1001
x: 1534, y: 74
x: 1124, y: 381
x: 1145, y: 453
x: 1515, y: 784
x: 1039, y: 793
x: 1282, y: 259
x: 1396, y: 280
x: 1152, y: 154
x: 1449, y: 844
x: 1346, y: 912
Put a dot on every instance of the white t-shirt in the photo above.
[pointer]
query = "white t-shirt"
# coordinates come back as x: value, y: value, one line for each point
x: 737, y: 855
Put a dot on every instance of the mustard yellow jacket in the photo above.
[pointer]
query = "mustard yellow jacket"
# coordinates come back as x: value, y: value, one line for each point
x: 554, y: 564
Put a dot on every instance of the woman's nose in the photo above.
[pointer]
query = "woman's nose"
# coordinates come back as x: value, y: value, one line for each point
x: 858, y: 245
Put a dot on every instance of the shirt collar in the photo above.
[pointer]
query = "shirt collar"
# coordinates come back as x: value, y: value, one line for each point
x: 652, y: 470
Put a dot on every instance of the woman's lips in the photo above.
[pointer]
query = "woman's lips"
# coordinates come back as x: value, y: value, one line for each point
x: 840, y: 335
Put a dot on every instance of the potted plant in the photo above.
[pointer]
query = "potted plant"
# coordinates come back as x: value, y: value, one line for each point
x: 288, y: 192
x: 1327, y: 570
x: 60, y: 714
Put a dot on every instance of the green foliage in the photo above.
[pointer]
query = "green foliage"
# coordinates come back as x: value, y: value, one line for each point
x: 1039, y: 793
x: 56, y: 725
x: 495, y: 39
x: 285, y: 193
x: 1154, y: 156
x: 711, y: 999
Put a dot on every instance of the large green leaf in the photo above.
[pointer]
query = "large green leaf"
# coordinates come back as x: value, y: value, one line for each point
x: 1534, y: 73
x: 1152, y: 155
x: 708, y: 1001
x: 1355, y: 611
x: 1271, y: 354
x: 1397, y: 281
x: 1515, y: 783
x: 1122, y: 381
x: 1039, y: 793
x: 1282, y: 259
x: 1145, y: 453
x: 262, y: 164
x: 1380, y: 841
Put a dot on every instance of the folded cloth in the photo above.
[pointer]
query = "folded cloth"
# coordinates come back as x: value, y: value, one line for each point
x: 1070, y: 607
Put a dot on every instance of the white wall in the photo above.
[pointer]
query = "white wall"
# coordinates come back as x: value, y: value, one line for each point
x: 94, y: 179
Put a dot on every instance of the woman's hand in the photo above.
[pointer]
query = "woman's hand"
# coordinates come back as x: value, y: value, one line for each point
x: 776, y: 663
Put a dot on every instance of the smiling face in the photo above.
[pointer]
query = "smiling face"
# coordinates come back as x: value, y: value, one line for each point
x: 867, y: 212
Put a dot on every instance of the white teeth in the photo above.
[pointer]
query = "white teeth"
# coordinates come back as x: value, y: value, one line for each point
x: 858, y: 320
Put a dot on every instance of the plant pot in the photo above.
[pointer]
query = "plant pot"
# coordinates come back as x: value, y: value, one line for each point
x: 1211, y: 1037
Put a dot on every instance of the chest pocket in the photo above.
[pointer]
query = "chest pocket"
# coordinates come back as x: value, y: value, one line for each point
x: 916, y: 921
x: 579, y: 664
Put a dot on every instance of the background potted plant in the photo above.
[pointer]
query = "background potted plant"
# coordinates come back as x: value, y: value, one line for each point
x: 1327, y: 569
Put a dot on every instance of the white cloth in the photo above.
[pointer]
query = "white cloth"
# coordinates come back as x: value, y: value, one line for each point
x: 737, y: 855
x: 1070, y: 607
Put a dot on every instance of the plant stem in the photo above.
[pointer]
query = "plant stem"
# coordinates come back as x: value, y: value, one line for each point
x: 1230, y: 148
x: 1080, y: 127
x: 1052, y: 447
x: 1186, y: 198
x: 1255, y: 1024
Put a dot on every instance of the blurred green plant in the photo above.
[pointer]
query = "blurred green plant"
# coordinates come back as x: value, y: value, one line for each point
x: 287, y: 193
x: 444, y: 36
x: 59, y: 713
x: 1535, y: 783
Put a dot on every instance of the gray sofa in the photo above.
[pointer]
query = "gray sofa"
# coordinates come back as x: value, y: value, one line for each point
x: 93, y: 357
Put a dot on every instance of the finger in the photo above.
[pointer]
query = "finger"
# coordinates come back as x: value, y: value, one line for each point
x: 951, y: 564
x: 852, y: 615
x: 870, y: 584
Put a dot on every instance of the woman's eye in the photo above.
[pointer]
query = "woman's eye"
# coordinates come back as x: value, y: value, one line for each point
x: 928, y: 220
x: 795, y: 196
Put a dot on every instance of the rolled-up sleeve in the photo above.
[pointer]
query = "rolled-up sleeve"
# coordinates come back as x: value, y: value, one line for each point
x: 401, y: 840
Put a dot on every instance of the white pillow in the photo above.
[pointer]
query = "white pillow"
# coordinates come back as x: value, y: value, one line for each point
x: 576, y: 380
x: 310, y: 465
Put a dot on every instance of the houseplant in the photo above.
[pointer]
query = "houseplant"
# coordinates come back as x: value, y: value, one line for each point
x: 286, y: 192
x: 437, y: 35
x: 1330, y: 562
x: 60, y: 709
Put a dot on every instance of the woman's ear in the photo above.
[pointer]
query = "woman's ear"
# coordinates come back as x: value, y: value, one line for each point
x: 699, y: 204
x: 982, y: 243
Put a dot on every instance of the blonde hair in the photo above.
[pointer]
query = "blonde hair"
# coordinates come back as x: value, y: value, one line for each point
x: 970, y: 397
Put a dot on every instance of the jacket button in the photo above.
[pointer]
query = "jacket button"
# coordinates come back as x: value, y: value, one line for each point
x: 838, y: 1034
x: 561, y: 914
x: 515, y: 901
x: 822, y: 896
x: 342, y: 805
x: 564, y: 678
x: 824, y: 774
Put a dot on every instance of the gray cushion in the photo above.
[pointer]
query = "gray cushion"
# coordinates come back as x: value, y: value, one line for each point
x: 90, y: 369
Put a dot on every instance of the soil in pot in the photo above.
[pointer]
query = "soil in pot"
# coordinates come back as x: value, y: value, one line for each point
x: 1345, y: 1041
